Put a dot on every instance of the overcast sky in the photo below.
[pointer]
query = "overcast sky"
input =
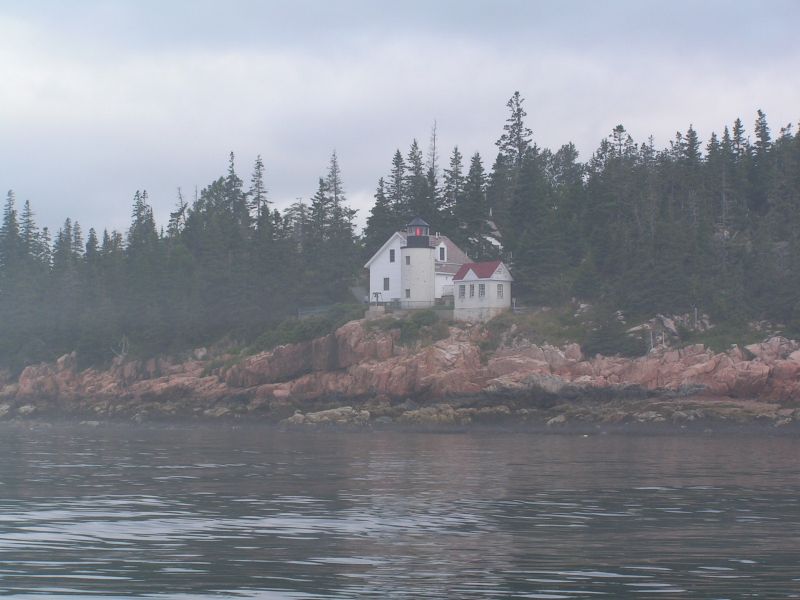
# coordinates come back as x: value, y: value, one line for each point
x: 99, y: 99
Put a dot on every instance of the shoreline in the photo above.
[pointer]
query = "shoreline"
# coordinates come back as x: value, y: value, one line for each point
x: 659, y: 413
x: 705, y: 428
x: 360, y: 376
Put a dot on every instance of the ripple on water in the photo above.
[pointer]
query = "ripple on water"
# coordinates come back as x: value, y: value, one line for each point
x: 206, y: 513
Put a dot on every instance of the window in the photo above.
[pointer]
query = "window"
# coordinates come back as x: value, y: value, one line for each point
x: 391, y: 256
x: 441, y: 253
x: 462, y: 291
x: 408, y: 260
x: 408, y: 293
x: 471, y: 290
x: 385, y: 283
x: 499, y: 290
x: 481, y: 290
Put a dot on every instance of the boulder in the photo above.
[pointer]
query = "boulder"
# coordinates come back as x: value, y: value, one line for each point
x: 438, y: 414
x: 344, y: 415
x: 282, y: 363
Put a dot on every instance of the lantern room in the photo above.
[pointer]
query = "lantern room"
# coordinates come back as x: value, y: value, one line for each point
x: 418, y: 232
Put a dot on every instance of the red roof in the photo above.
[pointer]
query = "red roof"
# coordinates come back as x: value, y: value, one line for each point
x: 482, y: 270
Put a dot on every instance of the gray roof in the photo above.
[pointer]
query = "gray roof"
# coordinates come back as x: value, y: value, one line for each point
x: 455, y: 255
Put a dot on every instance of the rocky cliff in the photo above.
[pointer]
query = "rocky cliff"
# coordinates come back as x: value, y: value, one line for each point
x: 359, y: 375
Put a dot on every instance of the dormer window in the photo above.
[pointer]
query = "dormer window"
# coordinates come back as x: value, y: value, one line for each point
x: 441, y: 253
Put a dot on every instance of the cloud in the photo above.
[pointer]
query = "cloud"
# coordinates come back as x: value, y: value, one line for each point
x: 98, y: 102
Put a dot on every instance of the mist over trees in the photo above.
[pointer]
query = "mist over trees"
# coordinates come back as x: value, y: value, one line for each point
x: 227, y: 264
x: 702, y: 223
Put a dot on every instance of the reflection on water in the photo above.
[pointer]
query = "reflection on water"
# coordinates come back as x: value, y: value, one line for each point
x: 205, y: 512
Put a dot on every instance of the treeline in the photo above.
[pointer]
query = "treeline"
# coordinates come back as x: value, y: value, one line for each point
x: 713, y: 225
x: 709, y: 224
x: 227, y: 264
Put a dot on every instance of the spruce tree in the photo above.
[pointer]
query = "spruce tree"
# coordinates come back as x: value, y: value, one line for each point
x: 453, y: 189
x: 11, y: 244
x: 516, y: 139
x: 419, y: 196
x: 396, y: 187
x: 29, y: 233
x: 177, y: 218
x: 381, y: 223
x: 434, y: 199
x: 513, y: 146
x: 471, y: 212
x: 258, y: 191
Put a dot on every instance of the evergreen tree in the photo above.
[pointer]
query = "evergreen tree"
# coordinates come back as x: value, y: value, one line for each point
x: 236, y: 199
x: 258, y: 191
x: 516, y: 139
x: 319, y: 218
x: 333, y: 183
x: 62, y: 248
x: 11, y: 244
x: 434, y: 199
x: 514, y: 145
x: 471, y: 213
x: 177, y: 218
x: 416, y: 185
x: 92, y: 246
x: 763, y: 138
x: 29, y: 233
x: 453, y: 190
x: 741, y: 147
x: 381, y: 223
x: 396, y: 187
x: 761, y: 175
x: 295, y: 224
x: 77, y: 242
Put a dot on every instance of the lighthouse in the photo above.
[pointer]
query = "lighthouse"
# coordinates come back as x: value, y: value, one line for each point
x: 417, y: 267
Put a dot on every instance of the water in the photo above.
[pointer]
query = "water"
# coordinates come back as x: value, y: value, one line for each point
x: 212, y: 512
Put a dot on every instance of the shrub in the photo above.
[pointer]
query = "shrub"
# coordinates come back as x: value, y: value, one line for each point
x: 292, y: 331
x: 383, y: 324
x: 609, y: 337
x: 721, y: 337
x: 420, y: 326
x: 424, y: 318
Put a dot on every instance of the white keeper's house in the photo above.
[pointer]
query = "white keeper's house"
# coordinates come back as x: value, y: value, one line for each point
x: 415, y: 269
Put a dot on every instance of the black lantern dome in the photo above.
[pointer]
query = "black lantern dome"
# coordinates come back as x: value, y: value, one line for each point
x: 418, y: 227
x: 417, y: 232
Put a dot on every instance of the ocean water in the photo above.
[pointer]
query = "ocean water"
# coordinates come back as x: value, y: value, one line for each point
x: 206, y: 512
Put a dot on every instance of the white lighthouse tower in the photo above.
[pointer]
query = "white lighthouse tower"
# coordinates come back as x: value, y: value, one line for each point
x: 417, y: 267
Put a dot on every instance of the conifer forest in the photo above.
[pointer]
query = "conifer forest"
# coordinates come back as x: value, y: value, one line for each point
x: 707, y: 222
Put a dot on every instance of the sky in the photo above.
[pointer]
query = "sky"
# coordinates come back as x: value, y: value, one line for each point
x: 100, y: 99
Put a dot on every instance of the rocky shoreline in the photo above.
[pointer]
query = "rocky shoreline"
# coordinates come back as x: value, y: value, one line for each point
x: 363, y: 377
